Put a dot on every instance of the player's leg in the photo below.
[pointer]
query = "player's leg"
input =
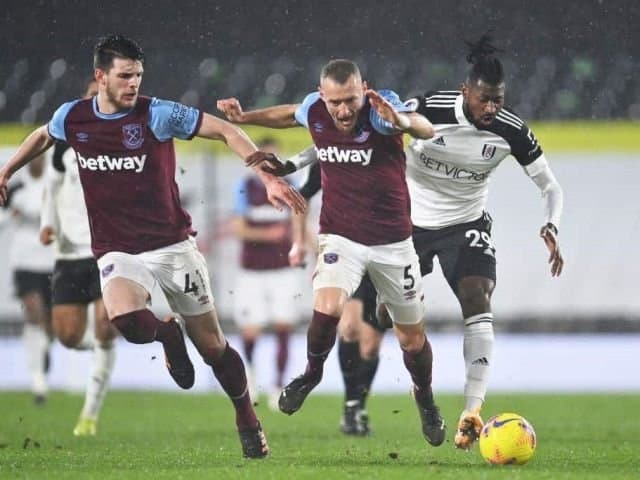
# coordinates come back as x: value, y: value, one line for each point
x: 371, y: 333
x: 35, y: 333
x: 282, y: 330
x: 126, y: 281
x: 282, y: 287
x: 470, y: 268
x: 339, y: 269
x: 350, y: 363
x: 250, y: 311
x: 370, y: 341
x: 184, y: 278
x: 104, y: 356
x: 228, y: 368
x: 395, y: 272
x: 474, y: 294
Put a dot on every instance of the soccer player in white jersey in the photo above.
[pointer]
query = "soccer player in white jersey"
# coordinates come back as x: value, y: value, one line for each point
x: 365, y: 224
x: 31, y: 264
x: 76, y: 278
x: 448, y: 182
x: 448, y: 178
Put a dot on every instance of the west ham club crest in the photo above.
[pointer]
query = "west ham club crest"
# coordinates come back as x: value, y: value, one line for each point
x: 132, y: 136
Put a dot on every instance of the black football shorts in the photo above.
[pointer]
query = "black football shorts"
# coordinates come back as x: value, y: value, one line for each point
x: 76, y: 281
x: 463, y: 250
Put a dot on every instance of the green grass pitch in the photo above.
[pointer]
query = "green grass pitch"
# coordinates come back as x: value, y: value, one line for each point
x: 150, y: 435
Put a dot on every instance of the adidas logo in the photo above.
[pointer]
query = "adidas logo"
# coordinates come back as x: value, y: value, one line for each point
x: 440, y: 141
x: 481, y: 361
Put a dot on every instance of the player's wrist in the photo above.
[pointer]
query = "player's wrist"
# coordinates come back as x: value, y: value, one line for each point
x: 552, y: 227
x: 403, y: 123
x: 289, y: 167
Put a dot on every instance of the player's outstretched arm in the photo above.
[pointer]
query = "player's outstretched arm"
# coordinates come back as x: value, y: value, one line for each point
x: 414, y: 124
x: 553, y: 198
x: 280, y: 193
x: 273, y: 165
x: 34, y: 145
x: 278, y: 116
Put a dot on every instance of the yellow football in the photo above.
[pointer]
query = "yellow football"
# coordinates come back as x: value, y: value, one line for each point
x: 507, y: 439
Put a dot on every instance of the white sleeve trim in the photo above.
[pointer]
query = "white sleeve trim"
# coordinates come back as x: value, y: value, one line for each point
x: 53, y: 181
x: 552, y: 195
x: 304, y: 158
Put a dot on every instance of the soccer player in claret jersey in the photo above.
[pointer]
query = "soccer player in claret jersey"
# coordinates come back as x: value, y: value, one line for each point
x: 448, y: 178
x: 266, y: 286
x: 358, y: 136
x: 140, y: 234
x: 359, y: 332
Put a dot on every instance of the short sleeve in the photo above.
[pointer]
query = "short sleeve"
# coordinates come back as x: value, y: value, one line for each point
x: 170, y: 119
x: 56, y: 124
x: 302, y: 112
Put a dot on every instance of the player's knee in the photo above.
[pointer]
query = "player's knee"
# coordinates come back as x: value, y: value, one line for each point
x: 212, y: 355
x: 474, y: 296
x: 411, y: 337
x: 68, y: 338
x: 135, y: 327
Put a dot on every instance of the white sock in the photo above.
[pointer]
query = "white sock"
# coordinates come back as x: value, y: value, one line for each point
x: 98, y: 384
x: 36, y: 344
x: 478, y: 355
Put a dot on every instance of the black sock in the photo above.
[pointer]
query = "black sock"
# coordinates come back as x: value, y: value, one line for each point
x: 349, y: 356
x: 368, y: 369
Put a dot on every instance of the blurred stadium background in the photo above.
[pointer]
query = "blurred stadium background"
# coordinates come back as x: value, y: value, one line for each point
x: 572, y: 73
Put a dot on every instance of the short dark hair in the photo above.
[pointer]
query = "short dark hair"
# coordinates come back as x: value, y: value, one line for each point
x: 340, y: 70
x: 115, y: 46
x: 485, y: 65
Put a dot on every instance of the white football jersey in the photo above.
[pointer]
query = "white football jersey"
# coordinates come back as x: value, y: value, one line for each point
x: 64, y: 206
x: 24, y: 204
x: 448, y: 175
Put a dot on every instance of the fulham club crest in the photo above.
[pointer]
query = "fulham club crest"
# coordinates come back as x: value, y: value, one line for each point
x: 132, y: 137
x: 488, y: 151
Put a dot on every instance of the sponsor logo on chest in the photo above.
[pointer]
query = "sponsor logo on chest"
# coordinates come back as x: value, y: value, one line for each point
x: 345, y: 155
x: 106, y: 163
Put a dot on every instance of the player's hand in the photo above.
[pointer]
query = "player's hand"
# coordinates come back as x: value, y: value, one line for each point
x: 550, y: 237
x: 270, y: 163
x: 297, y: 255
x: 281, y: 193
x: 231, y: 108
x: 47, y: 235
x: 384, y: 108
x: 4, y: 180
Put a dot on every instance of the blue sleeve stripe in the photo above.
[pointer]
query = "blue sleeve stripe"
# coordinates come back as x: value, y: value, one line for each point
x: 302, y: 112
x: 379, y: 124
x: 55, y: 126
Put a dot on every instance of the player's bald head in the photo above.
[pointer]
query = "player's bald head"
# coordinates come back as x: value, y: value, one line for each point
x: 340, y: 71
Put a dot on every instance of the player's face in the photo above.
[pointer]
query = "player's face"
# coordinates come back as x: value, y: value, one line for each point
x: 120, y: 84
x: 483, y: 102
x: 343, y: 101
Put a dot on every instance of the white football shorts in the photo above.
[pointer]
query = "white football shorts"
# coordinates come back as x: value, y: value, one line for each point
x: 179, y: 270
x: 393, y: 268
x: 266, y: 297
